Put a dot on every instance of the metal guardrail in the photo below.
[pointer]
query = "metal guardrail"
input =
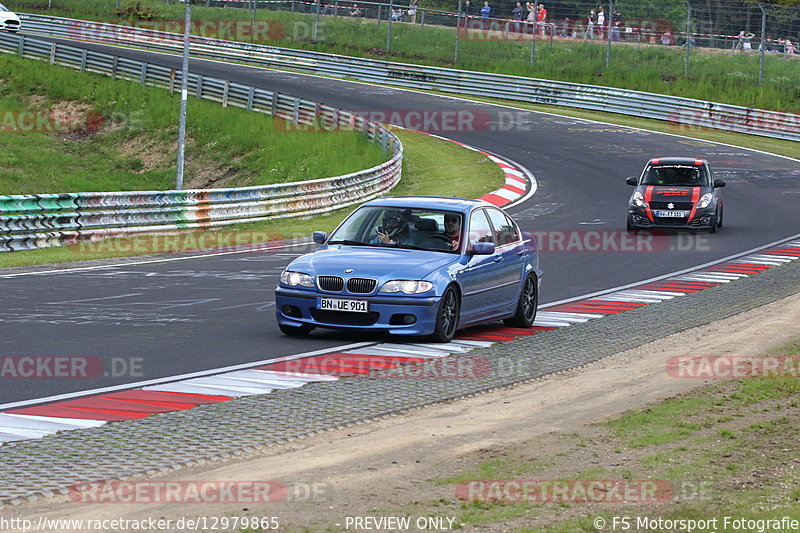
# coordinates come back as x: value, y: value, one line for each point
x: 695, y: 113
x: 42, y: 220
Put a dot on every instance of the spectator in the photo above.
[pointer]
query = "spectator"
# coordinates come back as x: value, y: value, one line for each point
x: 745, y: 38
x: 485, y: 10
x: 690, y: 41
x: 517, y: 14
x: 616, y: 24
x: 790, y: 47
x: 412, y: 11
x: 601, y: 22
x: 667, y: 39
x: 541, y: 19
x: 467, y: 8
x: 590, y: 24
x: 356, y: 11
x: 530, y: 18
x: 397, y: 15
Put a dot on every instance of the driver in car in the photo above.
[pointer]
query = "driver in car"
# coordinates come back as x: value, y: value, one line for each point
x: 394, y: 230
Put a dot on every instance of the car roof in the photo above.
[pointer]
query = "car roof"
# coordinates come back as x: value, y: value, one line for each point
x: 429, y: 202
x: 677, y: 161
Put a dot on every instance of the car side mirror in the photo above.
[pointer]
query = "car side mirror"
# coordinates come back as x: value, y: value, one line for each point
x: 632, y: 180
x: 320, y: 237
x: 719, y: 183
x: 483, y: 248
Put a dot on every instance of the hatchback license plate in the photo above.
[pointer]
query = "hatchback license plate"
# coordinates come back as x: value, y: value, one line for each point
x: 338, y: 304
x: 672, y: 214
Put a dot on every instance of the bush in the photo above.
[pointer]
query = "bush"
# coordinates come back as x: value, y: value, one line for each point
x: 136, y: 11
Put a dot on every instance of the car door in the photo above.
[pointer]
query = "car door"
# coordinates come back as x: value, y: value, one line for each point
x: 481, y: 277
x: 509, y: 245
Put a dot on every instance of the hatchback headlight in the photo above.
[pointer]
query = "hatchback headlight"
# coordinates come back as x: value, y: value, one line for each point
x: 705, y: 200
x: 294, y: 279
x: 638, y: 200
x: 406, y: 286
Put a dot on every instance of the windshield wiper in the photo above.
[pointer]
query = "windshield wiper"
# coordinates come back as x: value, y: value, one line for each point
x: 352, y: 243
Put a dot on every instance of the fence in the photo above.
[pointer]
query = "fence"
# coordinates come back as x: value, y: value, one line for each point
x: 42, y: 220
x: 696, y: 113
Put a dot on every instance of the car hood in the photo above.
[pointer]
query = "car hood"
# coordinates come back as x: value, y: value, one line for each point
x: 371, y: 262
x: 5, y: 16
x: 659, y: 193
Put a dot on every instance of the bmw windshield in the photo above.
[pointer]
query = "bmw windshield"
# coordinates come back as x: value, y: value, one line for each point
x: 4, y: 8
x: 399, y: 227
x: 676, y: 176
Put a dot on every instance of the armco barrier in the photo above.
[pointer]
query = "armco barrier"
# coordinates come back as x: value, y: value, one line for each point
x: 42, y: 220
x: 697, y: 113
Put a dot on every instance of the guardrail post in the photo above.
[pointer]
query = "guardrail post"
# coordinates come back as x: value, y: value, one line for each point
x: 52, y: 53
x: 274, y: 104
x: 378, y: 18
x: 250, y: 94
x: 296, y: 111
x: 225, y: 88
x: 336, y: 9
x: 84, y: 54
x: 292, y: 6
x: 199, y: 89
x: 143, y: 75
x: 21, y: 46
x: 171, y: 87
x: 114, y: 68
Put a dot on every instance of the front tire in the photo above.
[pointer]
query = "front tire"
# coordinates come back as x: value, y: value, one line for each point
x: 527, y: 305
x: 296, y: 331
x: 447, y: 316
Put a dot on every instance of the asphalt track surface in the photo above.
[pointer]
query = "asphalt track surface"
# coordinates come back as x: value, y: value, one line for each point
x: 159, y: 319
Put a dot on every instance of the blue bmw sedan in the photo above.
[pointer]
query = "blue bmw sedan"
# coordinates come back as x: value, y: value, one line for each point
x: 413, y: 266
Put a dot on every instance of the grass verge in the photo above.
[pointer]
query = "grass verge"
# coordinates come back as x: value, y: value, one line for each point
x: 64, y: 131
x: 714, y: 75
x: 431, y: 167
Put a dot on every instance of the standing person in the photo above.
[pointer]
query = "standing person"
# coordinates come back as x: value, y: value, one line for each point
x: 485, y: 12
x: 531, y: 18
x: 739, y: 41
x: 541, y: 18
x: 616, y: 25
x: 590, y: 23
x: 517, y: 13
x: 601, y: 21
x: 746, y: 39
x: 466, y: 8
x: 412, y: 11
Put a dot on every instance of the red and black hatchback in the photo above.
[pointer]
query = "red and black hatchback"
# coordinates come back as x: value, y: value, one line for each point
x: 676, y: 193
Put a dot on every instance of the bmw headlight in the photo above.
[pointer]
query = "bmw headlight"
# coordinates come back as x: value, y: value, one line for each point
x: 705, y: 200
x: 294, y: 279
x: 406, y: 286
x: 638, y: 200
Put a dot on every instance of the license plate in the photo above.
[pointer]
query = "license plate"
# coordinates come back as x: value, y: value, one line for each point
x: 338, y: 304
x: 672, y: 214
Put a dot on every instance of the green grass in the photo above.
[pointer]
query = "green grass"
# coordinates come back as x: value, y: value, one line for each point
x: 714, y: 75
x: 431, y: 167
x: 132, y: 147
